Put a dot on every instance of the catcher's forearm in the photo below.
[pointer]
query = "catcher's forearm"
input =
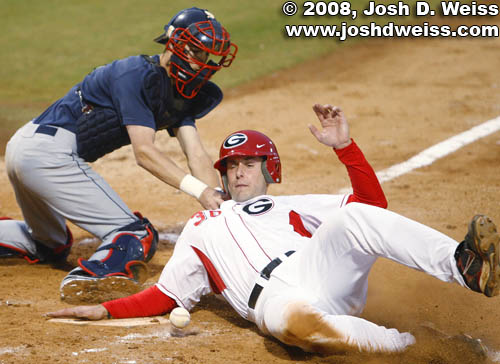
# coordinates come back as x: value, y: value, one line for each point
x: 202, y: 168
x: 159, y: 165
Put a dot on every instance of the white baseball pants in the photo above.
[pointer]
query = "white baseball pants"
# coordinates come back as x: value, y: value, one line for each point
x: 314, y: 296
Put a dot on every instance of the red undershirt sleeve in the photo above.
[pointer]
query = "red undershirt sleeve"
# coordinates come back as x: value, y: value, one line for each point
x: 150, y: 302
x: 365, y: 184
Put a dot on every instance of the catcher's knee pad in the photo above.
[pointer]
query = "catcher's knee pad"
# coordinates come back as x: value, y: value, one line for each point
x: 132, y: 244
x: 148, y: 238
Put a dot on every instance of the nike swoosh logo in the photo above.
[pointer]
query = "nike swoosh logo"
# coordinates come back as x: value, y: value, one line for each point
x: 260, y: 145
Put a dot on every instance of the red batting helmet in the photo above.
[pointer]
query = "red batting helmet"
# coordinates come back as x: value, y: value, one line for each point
x: 253, y: 144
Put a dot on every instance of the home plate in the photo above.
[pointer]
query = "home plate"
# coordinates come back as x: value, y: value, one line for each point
x: 130, y: 322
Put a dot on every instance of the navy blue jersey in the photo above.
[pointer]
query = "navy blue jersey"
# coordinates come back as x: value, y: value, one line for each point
x: 118, y: 86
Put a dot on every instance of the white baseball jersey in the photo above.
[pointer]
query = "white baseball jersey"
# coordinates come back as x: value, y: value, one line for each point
x: 224, y: 250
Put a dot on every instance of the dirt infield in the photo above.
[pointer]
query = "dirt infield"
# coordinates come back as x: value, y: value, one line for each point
x: 400, y: 96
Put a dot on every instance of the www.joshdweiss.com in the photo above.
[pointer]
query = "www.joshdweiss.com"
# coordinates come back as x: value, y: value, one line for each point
x: 344, y: 31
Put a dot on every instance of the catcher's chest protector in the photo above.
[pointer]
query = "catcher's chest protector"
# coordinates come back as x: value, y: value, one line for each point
x: 100, y: 130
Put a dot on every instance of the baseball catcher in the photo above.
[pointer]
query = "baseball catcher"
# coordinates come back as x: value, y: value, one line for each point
x: 124, y: 102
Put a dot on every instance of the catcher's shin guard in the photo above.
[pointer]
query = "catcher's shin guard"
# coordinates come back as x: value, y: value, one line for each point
x: 41, y: 254
x: 132, y: 243
x: 116, y: 269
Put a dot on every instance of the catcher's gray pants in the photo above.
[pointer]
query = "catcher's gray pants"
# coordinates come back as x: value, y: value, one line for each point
x: 53, y: 184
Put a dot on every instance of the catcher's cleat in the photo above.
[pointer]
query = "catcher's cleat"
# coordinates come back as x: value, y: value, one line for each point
x: 478, y: 256
x: 81, y: 287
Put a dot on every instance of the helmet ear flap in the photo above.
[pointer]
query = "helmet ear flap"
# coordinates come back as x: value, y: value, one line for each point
x: 224, y: 182
x: 265, y: 171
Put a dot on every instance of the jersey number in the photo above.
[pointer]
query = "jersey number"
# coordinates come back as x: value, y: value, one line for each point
x: 202, y: 216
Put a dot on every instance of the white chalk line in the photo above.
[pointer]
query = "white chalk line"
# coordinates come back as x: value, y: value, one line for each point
x: 437, y: 151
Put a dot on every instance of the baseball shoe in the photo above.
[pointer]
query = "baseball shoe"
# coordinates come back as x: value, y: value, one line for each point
x: 81, y: 287
x: 478, y: 256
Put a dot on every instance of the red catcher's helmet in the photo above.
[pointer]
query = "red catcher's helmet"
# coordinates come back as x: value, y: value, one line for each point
x: 251, y: 143
x: 201, y: 32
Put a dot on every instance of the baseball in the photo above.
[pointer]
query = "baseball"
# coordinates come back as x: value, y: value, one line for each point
x: 180, y: 317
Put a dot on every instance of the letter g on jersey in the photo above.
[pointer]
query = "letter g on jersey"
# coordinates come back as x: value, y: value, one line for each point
x: 259, y: 207
x: 235, y: 140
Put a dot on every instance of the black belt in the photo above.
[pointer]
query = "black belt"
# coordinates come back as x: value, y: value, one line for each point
x: 266, y: 274
x: 46, y: 129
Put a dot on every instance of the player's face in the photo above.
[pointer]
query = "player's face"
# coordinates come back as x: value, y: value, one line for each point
x: 244, y: 178
x: 197, y: 54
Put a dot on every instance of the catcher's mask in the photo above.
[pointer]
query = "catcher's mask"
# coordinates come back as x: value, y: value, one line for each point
x: 190, y: 32
x: 250, y: 143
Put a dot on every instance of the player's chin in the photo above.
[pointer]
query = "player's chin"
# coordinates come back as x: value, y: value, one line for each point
x: 240, y: 194
x: 238, y: 197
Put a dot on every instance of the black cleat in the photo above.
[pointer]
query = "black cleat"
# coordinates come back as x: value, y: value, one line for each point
x: 478, y: 256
